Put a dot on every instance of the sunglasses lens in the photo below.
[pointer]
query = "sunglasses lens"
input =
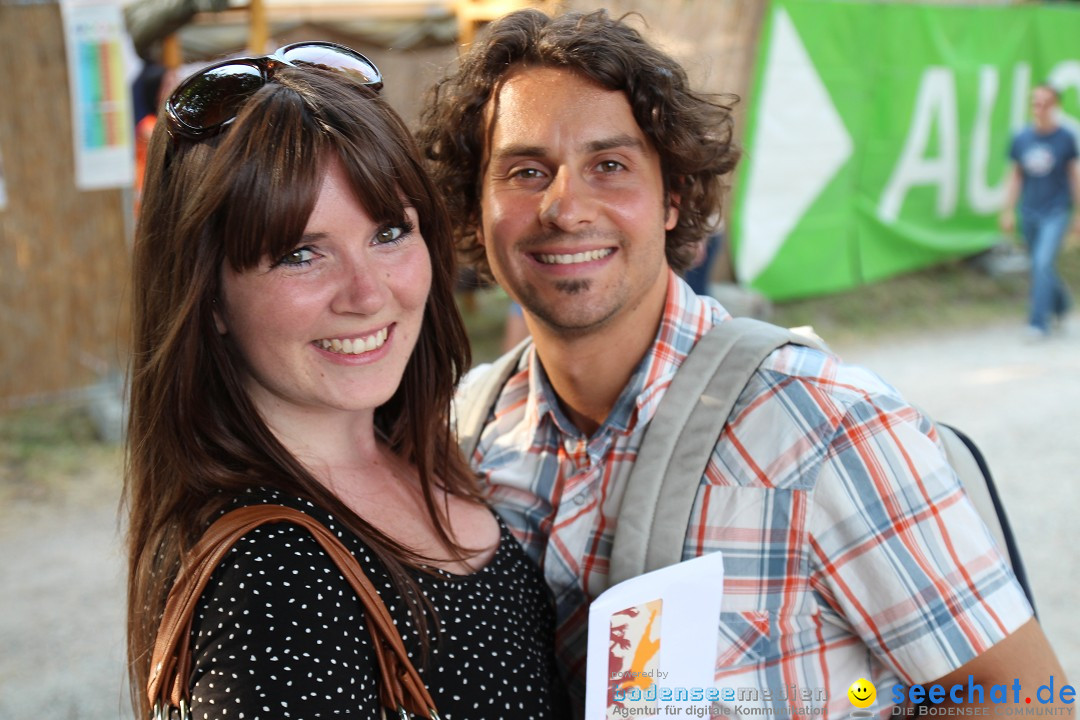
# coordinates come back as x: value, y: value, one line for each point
x: 214, y: 96
x: 337, y: 58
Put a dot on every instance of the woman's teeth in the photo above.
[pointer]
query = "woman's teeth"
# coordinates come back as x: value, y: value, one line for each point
x: 355, y: 346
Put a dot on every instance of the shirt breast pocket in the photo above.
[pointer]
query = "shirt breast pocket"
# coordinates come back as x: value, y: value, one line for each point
x: 743, y: 639
x: 761, y: 533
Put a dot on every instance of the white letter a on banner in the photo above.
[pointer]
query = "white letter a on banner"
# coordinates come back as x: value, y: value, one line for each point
x: 935, y: 106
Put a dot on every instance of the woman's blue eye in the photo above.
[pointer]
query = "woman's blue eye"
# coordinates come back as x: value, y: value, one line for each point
x: 393, y: 233
x: 299, y: 256
x: 390, y: 234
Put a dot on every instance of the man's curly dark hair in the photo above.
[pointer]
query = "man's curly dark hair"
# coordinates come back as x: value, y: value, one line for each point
x: 691, y: 132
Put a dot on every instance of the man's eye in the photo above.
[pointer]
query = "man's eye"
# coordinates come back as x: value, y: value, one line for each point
x: 528, y: 174
x: 299, y: 256
x: 607, y: 166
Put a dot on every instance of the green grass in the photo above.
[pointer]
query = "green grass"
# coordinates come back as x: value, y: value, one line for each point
x: 484, y: 316
x: 954, y: 295
x: 47, y: 449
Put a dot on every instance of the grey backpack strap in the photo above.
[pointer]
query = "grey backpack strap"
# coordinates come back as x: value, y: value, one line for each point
x: 474, y: 401
x: 679, y: 441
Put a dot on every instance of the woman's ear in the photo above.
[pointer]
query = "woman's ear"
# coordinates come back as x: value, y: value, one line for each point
x: 219, y: 321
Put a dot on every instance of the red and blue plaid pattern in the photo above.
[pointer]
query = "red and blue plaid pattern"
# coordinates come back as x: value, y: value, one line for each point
x: 850, y: 550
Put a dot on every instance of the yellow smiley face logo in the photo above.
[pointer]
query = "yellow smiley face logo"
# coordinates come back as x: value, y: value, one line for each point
x: 862, y: 693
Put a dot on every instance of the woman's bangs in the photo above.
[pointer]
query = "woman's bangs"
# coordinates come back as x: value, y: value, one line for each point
x: 382, y: 183
x: 272, y: 165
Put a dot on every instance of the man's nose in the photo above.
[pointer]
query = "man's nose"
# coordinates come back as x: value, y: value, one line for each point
x: 362, y: 288
x: 567, y: 202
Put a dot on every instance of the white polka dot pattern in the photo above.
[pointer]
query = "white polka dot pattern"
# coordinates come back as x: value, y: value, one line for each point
x: 279, y: 633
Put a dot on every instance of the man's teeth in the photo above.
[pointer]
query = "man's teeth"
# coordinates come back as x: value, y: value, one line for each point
x: 571, y: 258
x: 355, y: 346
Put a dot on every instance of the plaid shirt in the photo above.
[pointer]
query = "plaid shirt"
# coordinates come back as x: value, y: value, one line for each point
x: 850, y: 550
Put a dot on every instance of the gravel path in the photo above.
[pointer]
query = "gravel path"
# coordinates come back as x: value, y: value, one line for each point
x: 61, y: 594
x: 62, y: 600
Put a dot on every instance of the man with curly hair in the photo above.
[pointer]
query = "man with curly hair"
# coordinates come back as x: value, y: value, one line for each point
x: 582, y: 169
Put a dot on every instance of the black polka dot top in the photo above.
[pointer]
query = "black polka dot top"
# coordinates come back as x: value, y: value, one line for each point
x: 279, y: 633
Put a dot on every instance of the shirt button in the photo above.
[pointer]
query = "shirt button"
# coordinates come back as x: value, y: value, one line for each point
x: 579, y: 499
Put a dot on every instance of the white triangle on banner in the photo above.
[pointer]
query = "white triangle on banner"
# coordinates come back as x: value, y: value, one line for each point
x: 799, y: 145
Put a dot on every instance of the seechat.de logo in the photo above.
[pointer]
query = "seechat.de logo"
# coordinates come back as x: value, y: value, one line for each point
x: 905, y: 698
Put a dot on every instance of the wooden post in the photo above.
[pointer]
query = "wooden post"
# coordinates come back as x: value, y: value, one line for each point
x: 473, y: 14
x: 258, y: 30
x: 172, y: 55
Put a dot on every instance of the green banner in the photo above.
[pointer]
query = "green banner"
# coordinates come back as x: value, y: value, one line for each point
x: 877, y: 135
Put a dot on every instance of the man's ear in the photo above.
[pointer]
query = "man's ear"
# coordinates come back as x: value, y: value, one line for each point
x: 480, y: 231
x: 672, y: 216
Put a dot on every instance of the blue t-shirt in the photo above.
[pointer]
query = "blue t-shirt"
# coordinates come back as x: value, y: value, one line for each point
x: 1044, y: 162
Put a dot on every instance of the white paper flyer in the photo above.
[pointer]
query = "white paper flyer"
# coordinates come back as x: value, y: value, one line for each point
x: 652, y: 640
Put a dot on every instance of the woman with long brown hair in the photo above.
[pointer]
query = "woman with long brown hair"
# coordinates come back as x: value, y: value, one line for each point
x: 296, y: 343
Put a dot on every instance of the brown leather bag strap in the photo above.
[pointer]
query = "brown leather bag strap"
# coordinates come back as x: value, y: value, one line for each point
x: 400, y: 686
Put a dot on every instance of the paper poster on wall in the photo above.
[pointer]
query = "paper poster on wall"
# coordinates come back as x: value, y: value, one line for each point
x: 100, y: 96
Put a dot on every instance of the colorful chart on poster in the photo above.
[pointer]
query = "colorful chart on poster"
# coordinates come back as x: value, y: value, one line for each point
x: 100, y: 98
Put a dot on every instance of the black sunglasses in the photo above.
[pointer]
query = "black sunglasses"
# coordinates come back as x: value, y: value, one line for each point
x: 210, y: 99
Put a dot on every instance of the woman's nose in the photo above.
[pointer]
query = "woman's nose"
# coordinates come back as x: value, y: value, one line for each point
x: 362, y: 289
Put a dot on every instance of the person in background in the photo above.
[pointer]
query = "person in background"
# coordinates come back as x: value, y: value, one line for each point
x: 1045, y: 179
x: 699, y: 274
x: 145, y: 90
x: 581, y: 171
x: 146, y: 94
x: 296, y: 342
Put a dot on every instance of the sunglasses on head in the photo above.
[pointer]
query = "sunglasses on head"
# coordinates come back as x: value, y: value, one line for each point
x: 210, y: 99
